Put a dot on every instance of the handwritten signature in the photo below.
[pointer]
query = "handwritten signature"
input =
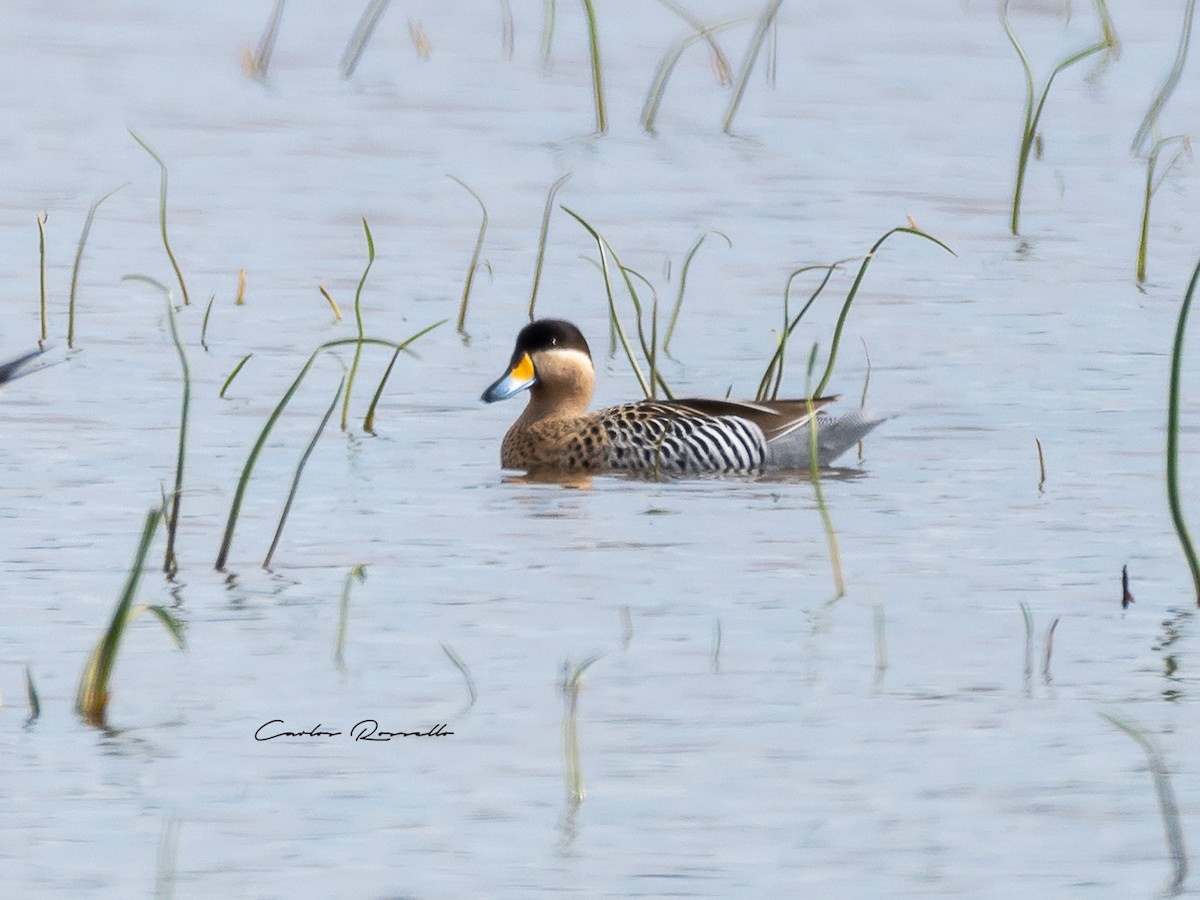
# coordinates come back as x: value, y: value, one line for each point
x: 366, y: 730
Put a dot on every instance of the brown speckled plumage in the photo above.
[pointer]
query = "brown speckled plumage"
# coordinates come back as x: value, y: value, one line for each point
x: 555, y: 431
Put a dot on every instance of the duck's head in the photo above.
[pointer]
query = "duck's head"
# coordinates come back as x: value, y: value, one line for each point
x: 553, y: 362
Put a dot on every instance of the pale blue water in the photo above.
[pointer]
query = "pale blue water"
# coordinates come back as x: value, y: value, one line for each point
x: 799, y: 767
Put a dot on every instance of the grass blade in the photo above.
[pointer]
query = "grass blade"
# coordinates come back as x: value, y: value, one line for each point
x: 232, y: 375
x: 1176, y: 505
x: 549, y: 14
x: 572, y: 684
x: 1168, y: 806
x: 862, y: 271
x: 287, y: 506
x: 506, y: 29
x: 170, y: 562
x: 683, y: 274
x: 83, y: 236
x: 171, y: 504
x: 162, y: 214
x: 774, y: 370
x: 204, y: 325
x: 541, y: 254
x: 1033, y: 114
x: 1170, y: 83
x: 604, y: 250
x: 165, y: 874
x: 705, y: 33
x: 1048, y: 652
x: 1151, y: 187
x: 666, y: 67
x: 248, y: 468
x: 765, y: 18
x: 358, y: 322
x: 41, y: 226
x: 337, y: 312
x: 91, y: 701
x: 362, y: 33
x: 257, y: 63
x: 814, y: 468
x: 597, y: 79
x: 369, y: 418
x: 463, y: 670
x: 356, y: 573
x: 31, y: 695
x: 471, y: 269
x: 1027, y: 671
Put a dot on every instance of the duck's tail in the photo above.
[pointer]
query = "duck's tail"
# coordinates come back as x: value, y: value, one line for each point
x: 835, y: 435
x: 10, y: 369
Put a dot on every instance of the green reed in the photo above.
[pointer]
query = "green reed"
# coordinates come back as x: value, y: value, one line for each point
x: 604, y: 250
x: 814, y: 468
x: 337, y: 312
x: 1033, y: 112
x: 461, y: 325
x: 1048, y: 651
x: 91, y: 701
x: 765, y: 18
x: 1176, y: 505
x: 83, y: 236
x: 166, y: 866
x: 362, y: 34
x: 171, y: 503
x: 31, y: 698
x: 1152, y: 187
x: 458, y: 663
x: 1027, y: 671
x: 358, y: 323
x: 287, y: 505
x: 41, y: 226
x: 626, y: 624
x: 204, y: 325
x: 232, y: 375
x: 170, y: 562
x: 1169, y: 84
x: 705, y: 33
x: 549, y: 16
x: 1168, y: 806
x: 506, y: 29
x: 862, y: 271
x: 666, y: 67
x: 356, y: 573
x: 572, y: 684
x: 879, y: 628
x: 369, y: 418
x: 597, y: 78
x: 541, y: 254
x: 162, y: 214
x: 257, y: 63
x: 768, y: 385
x: 273, y: 418
x: 683, y: 275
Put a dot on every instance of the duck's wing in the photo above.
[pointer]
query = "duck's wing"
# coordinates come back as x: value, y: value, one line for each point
x: 776, y: 418
x: 12, y: 368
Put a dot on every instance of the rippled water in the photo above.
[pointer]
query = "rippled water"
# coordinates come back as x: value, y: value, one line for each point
x: 738, y: 733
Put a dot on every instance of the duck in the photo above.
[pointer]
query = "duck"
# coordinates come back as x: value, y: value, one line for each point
x: 557, y: 432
